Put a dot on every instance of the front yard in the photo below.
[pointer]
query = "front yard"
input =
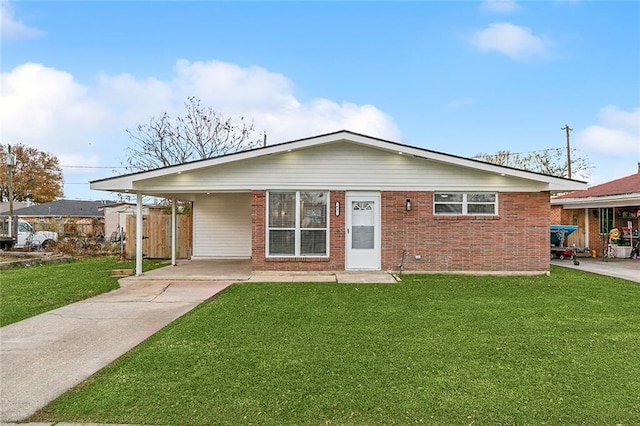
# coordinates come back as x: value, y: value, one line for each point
x: 438, y: 350
x: 32, y: 290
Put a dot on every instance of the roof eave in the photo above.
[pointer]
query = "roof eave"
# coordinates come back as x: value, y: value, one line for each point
x: 621, y: 200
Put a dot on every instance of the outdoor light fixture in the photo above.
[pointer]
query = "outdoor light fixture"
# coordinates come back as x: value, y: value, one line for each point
x: 407, y: 204
x: 337, y: 208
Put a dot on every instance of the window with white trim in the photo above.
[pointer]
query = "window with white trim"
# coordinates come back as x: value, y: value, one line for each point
x: 462, y: 203
x: 297, y: 223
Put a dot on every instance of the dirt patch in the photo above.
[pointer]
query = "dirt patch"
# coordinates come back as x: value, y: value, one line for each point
x: 12, y: 259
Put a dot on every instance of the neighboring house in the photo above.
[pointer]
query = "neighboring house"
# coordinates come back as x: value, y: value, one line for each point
x: 4, y: 206
x: 346, y: 201
x: 66, y: 217
x: 116, y: 214
x: 599, y: 209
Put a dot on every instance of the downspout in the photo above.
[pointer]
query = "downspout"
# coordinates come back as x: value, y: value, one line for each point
x: 138, y: 234
x: 173, y: 232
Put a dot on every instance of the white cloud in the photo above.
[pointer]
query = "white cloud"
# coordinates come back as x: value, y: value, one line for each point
x: 46, y: 109
x: 324, y: 116
x: 238, y: 88
x: 617, y: 133
x: 500, y: 6
x: 132, y: 100
x: 11, y: 28
x: 50, y: 110
x: 517, y: 42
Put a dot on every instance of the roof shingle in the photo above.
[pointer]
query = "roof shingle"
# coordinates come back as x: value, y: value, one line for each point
x: 75, y: 208
x: 625, y: 185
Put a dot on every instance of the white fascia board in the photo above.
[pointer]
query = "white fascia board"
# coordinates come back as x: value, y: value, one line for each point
x: 622, y: 200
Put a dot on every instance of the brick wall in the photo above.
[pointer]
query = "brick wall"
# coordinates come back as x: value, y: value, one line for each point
x: 556, y: 215
x: 516, y: 240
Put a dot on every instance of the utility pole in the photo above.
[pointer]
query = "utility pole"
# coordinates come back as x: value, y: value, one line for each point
x: 568, y: 129
x: 11, y: 161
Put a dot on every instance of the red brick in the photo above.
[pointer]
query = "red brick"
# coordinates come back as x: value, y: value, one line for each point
x: 515, y: 240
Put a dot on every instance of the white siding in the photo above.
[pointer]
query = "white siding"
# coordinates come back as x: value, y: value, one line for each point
x: 222, y: 226
x: 338, y: 166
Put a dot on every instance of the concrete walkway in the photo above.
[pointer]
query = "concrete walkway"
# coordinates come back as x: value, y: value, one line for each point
x: 44, y: 356
x: 241, y: 270
x: 627, y: 269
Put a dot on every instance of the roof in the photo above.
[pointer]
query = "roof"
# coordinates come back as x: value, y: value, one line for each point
x: 624, y: 185
x: 127, y: 182
x: 621, y: 192
x: 4, y: 206
x: 74, y: 208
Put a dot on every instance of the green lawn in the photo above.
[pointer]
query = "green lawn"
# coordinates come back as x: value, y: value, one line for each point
x: 28, y: 291
x: 440, y: 350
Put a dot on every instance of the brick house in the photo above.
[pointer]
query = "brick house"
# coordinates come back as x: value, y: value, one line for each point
x: 599, y: 209
x: 346, y: 201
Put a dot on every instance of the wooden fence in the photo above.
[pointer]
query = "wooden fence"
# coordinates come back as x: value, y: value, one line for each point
x: 67, y: 227
x: 156, y: 234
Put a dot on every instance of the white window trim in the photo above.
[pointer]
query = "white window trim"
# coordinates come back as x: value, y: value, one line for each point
x: 465, y: 204
x: 297, y: 229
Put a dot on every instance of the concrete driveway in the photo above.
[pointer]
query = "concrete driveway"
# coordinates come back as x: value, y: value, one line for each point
x: 627, y: 269
x: 44, y: 356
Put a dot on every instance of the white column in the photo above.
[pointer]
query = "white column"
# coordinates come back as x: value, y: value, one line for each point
x: 139, y: 235
x: 586, y: 228
x: 174, y: 231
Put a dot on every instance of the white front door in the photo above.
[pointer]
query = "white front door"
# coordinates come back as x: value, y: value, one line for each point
x: 363, y: 231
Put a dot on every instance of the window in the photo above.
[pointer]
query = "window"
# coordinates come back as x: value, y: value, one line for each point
x: 606, y: 220
x: 24, y: 227
x: 457, y: 203
x: 297, y: 223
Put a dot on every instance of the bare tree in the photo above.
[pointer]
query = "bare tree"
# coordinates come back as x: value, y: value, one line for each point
x: 547, y: 161
x: 200, y: 133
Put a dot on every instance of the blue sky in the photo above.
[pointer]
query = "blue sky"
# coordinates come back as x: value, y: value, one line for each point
x: 456, y: 77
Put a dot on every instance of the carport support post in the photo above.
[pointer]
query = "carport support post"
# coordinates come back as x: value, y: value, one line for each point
x: 139, y: 234
x: 173, y: 232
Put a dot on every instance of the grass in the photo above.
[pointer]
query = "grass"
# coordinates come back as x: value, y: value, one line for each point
x: 434, y: 350
x: 28, y: 291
